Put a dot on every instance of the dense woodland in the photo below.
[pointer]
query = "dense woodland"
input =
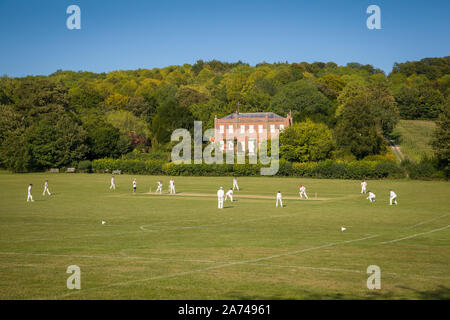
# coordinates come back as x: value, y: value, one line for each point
x: 340, y: 112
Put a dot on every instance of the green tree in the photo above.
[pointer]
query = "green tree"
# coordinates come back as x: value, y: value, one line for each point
x: 441, y: 141
x: 303, y: 98
x: 55, y: 140
x: 356, y: 130
x: 306, y: 141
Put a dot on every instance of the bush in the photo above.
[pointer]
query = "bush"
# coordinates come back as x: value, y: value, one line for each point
x: 325, y: 169
x: 84, y: 166
x: 421, y: 170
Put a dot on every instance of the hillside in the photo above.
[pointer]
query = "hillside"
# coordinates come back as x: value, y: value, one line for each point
x: 414, y: 138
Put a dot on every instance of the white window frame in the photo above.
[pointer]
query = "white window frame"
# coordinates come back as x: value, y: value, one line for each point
x: 222, y: 145
x: 281, y: 127
x: 230, y: 128
x: 230, y: 145
x: 260, y: 128
x: 272, y: 128
x: 251, y: 128
x: 222, y: 129
x: 242, y: 128
x: 254, y: 145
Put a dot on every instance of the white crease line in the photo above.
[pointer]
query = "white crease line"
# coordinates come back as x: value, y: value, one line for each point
x: 216, y: 267
x: 124, y: 257
x: 431, y: 220
x: 415, y: 235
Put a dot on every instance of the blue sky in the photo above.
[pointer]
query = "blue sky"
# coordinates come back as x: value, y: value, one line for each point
x: 131, y: 34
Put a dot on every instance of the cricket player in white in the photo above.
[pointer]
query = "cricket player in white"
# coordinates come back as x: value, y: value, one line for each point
x: 172, y: 186
x: 229, y: 194
x: 160, y: 185
x: 134, y: 185
x: 279, y: 198
x: 364, y: 186
x: 371, y: 197
x: 303, y: 192
x: 235, y: 185
x: 113, y: 185
x: 220, y: 198
x: 46, y: 188
x: 392, y: 197
x: 30, y: 193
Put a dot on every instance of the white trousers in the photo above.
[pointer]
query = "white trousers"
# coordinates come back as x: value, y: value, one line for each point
x: 372, y: 199
x: 112, y: 186
x: 363, y: 190
x: 281, y: 202
x: 46, y: 189
x: 235, y: 185
x: 30, y: 197
x: 172, y: 189
x: 231, y: 197
x: 392, y: 199
x: 220, y: 202
x: 303, y: 193
x: 159, y: 189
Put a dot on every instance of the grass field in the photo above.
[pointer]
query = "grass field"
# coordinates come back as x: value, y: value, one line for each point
x: 183, y: 247
x: 415, y: 138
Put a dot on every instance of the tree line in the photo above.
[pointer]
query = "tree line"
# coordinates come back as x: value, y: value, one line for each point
x: 341, y: 112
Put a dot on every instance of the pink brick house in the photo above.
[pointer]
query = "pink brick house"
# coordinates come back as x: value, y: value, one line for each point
x: 243, y: 132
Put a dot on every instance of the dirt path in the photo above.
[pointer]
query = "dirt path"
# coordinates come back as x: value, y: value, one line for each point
x: 396, y: 150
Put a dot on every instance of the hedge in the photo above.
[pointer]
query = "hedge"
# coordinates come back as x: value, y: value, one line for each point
x: 325, y: 169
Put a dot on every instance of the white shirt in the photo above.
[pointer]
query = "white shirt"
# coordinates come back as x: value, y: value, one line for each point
x: 302, y: 189
x: 159, y: 184
x: 229, y: 192
x: 134, y: 183
x: 371, y: 195
x: 29, y: 189
x: 363, y: 184
x: 112, y: 180
x: 220, y: 193
x: 46, y: 184
x: 279, y: 195
x: 392, y: 194
x: 171, y: 182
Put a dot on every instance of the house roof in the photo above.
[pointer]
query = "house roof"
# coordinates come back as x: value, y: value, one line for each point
x: 270, y: 115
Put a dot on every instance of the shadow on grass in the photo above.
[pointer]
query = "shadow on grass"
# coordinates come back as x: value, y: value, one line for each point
x: 440, y: 293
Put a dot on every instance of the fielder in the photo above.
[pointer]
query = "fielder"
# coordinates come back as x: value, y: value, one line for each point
x: 134, y: 185
x: 392, y: 197
x: 235, y: 185
x: 229, y: 194
x: 30, y: 193
x: 371, y: 196
x: 46, y: 188
x: 364, y: 186
x: 279, y: 198
x: 303, y: 192
x: 172, y: 186
x: 220, y: 198
x: 113, y: 185
x: 160, y: 185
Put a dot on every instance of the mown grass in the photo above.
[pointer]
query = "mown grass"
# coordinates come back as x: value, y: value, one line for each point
x: 414, y: 138
x: 162, y: 247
